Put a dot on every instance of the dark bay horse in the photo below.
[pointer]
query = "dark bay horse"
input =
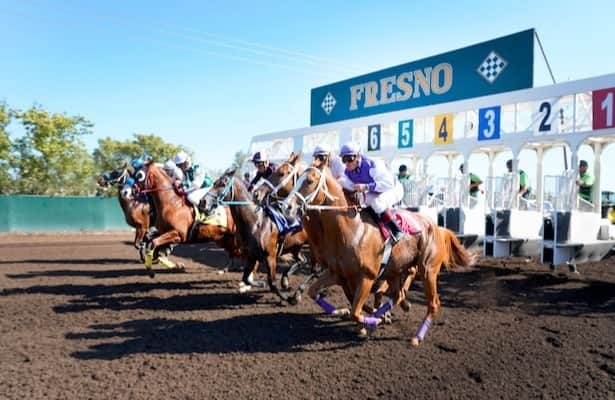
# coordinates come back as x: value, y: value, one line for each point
x: 351, y: 247
x: 136, y: 211
x: 257, y: 234
x: 175, y: 221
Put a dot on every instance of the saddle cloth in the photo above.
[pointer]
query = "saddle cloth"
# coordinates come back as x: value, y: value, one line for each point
x: 216, y: 217
x: 406, y: 220
x: 284, y: 225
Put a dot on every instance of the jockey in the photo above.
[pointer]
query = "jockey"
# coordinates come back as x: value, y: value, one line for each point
x: 372, y: 177
x: 195, y: 181
x: 264, y: 168
x: 173, y: 171
x: 321, y: 154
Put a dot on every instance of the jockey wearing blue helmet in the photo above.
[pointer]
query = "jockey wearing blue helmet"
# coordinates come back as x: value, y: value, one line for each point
x: 372, y: 177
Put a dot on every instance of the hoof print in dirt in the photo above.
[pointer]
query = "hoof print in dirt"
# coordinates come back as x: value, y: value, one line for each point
x: 476, y: 376
x: 555, y: 342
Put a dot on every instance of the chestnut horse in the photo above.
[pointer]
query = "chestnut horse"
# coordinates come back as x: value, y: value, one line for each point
x: 175, y: 221
x: 257, y: 234
x: 351, y: 247
x: 136, y: 211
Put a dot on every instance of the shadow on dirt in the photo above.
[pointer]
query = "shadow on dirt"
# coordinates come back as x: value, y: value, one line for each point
x: 72, y: 261
x: 263, y: 333
x: 534, y: 291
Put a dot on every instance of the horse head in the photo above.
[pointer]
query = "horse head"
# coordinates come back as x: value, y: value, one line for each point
x: 312, y: 190
x: 115, y: 177
x: 128, y: 189
x: 281, y: 181
x: 222, y: 190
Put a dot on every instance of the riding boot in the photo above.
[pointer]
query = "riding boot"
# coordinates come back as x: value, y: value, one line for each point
x: 391, y: 224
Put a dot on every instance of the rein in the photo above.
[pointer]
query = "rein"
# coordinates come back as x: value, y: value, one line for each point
x: 232, y: 202
x: 275, y: 189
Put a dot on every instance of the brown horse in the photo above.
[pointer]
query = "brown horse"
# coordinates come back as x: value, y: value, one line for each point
x: 258, y: 236
x: 352, y: 248
x: 176, y: 218
x: 136, y: 211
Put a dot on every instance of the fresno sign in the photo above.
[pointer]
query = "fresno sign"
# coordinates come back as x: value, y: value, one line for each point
x: 409, y: 84
x: 495, y: 66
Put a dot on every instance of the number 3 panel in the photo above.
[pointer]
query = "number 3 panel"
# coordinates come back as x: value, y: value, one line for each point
x: 489, y: 123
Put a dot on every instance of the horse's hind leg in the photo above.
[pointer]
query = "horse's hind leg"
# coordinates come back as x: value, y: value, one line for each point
x: 429, y: 280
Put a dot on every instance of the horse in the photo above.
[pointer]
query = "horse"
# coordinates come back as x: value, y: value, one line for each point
x: 136, y: 211
x: 352, y: 248
x: 176, y: 217
x: 258, y: 236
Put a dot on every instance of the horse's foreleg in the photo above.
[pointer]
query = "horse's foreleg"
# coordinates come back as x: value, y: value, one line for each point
x: 139, y: 234
x: 433, y: 304
x: 324, y: 281
x: 167, y: 238
x: 272, y: 264
x: 360, y: 296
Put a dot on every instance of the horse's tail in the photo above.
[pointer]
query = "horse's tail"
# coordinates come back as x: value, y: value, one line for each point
x: 456, y: 255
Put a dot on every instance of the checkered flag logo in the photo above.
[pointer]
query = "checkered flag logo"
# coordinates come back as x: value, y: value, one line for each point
x: 328, y: 103
x: 492, y: 67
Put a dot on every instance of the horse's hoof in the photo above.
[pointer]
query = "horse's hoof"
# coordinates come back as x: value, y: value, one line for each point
x: 341, y: 312
x: 151, y: 273
x: 405, y: 305
x: 180, y: 267
x: 415, y: 342
x: 245, y: 288
x: 363, y: 333
x: 387, y: 318
x: 285, y: 283
x: 296, y: 298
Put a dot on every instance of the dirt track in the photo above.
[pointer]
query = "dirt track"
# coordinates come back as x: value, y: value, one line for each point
x: 79, y: 319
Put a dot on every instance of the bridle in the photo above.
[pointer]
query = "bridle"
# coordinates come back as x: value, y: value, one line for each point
x: 306, y: 201
x: 275, y: 189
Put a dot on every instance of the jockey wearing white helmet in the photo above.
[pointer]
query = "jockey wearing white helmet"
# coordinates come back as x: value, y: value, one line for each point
x: 372, y: 177
x: 195, y: 181
x: 322, y: 153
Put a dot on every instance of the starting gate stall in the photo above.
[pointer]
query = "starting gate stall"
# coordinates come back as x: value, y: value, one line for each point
x: 478, y: 99
x: 510, y: 230
x: 466, y: 222
x: 421, y: 199
x: 571, y: 235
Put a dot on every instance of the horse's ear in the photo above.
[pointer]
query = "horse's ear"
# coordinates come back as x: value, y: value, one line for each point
x: 326, y: 163
x: 230, y: 172
x: 294, y: 158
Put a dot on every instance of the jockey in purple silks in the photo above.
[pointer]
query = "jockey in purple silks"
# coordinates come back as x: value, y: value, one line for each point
x: 373, y: 178
x: 264, y: 168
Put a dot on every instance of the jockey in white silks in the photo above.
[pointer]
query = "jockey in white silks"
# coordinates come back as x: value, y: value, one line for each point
x: 195, y: 181
x: 173, y: 171
x: 373, y: 178
x: 322, y: 153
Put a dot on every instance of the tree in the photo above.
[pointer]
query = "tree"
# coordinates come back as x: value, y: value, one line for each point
x: 239, y: 159
x: 6, y: 184
x: 112, y: 153
x: 51, y: 157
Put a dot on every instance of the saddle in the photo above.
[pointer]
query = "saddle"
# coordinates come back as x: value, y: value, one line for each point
x: 406, y: 220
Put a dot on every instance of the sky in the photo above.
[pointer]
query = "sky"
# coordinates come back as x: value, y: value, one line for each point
x: 210, y: 75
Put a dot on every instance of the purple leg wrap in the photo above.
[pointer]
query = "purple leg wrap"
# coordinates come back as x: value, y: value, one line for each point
x: 383, y: 309
x: 326, y: 306
x: 371, y: 321
x: 423, y: 329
